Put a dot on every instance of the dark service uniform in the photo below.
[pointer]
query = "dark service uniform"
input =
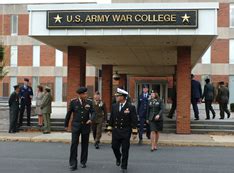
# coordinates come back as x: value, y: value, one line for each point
x: 82, y: 112
x: 14, y: 111
x: 122, y: 122
x: 25, y: 93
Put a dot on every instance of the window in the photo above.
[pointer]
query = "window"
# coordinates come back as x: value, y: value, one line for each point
x: 13, y: 81
x: 36, y: 56
x: 14, y: 56
x: 58, y: 89
x: 35, y: 83
x: 14, y: 25
x: 58, y: 58
x: 231, y: 51
x: 206, y: 58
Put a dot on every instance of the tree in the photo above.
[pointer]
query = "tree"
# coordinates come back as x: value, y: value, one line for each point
x: 3, y: 71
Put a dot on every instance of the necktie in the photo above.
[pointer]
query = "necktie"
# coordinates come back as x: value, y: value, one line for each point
x: 120, y: 107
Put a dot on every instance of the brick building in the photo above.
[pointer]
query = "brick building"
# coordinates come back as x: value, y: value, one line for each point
x: 43, y: 64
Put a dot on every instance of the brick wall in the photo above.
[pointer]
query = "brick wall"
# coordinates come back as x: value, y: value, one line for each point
x: 223, y: 15
x: 23, y: 21
x: 220, y: 51
x: 5, y: 24
x: 25, y: 55
x: 47, y: 56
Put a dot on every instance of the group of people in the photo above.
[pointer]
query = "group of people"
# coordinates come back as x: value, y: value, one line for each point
x: 208, y: 96
x: 122, y: 124
x: 21, y: 99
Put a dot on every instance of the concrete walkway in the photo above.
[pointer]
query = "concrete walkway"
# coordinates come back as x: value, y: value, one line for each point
x: 165, y: 139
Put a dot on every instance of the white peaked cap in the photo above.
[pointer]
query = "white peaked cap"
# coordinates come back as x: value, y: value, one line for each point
x: 121, y: 92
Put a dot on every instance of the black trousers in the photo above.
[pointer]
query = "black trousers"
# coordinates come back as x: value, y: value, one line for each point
x: 195, y: 108
x: 74, y: 148
x: 142, y: 121
x: 22, y: 109
x: 121, y: 139
x: 223, y: 108
x: 173, y: 108
x: 208, y: 106
x: 13, y: 119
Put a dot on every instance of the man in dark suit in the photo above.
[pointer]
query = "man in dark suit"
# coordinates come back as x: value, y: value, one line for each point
x: 142, y: 111
x: 196, y: 94
x: 122, y: 123
x: 14, y: 109
x: 208, y: 95
x: 83, y: 114
x: 222, y: 99
x: 26, y: 95
x: 174, y: 101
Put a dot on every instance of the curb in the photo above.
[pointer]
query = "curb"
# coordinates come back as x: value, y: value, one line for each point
x: 161, y: 143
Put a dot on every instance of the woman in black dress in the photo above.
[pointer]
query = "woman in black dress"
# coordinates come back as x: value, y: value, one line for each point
x: 155, y: 118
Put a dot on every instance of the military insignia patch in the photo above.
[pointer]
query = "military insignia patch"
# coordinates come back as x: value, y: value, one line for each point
x: 126, y: 111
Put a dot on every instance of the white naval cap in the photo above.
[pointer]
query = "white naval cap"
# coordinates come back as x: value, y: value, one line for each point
x: 121, y: 92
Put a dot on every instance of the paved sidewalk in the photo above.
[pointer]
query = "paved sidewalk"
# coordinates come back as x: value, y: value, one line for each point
x: 165, y: 139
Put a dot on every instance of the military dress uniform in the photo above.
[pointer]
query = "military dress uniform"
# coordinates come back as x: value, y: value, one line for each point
x: 155, y: 108
x: 100, y: 116
x: 82, y: 112
x: 223, y: 99
x: 122, y: 123
x: 209, y: 94
x: 26, y: 93
x: 14, y: 110
x: 142, y: 107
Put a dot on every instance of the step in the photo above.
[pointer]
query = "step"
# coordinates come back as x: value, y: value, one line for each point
x: 215, y: 131
x: 201, y: 126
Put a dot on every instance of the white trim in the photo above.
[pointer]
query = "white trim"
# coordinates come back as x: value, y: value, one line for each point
x: 207, y: 5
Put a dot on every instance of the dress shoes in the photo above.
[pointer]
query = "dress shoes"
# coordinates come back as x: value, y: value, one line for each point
x: 124, y: 171
x: 213, y: 116
x: 83, y: 165
x: 73, y: 168
x: 118, y: 162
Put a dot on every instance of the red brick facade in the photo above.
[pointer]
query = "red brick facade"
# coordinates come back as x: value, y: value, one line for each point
x: 223, y: 15
x: 220, y: 51
x: 76, y: 70
x: 183, y: 90
x: 25, y: 54
x: 47, y: 56
x: 23, y: 21
x: 5, y: 24
x: 107, y: 71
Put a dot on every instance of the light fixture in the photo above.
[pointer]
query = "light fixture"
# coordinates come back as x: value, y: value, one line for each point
x: 116, y: 76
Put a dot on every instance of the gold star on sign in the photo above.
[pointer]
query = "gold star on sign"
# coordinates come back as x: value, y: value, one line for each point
x: 58, y: 18
x: 185, y: 18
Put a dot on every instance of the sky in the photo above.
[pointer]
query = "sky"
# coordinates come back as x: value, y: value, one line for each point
x: 50, y: 1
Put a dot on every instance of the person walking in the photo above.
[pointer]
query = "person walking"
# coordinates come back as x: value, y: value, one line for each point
x: 122, y: 123
x: 208, y: 95
x: 174, y: 102
x: 83, y: 115
x: 155, y: 118
x: 196, y: 94
x: 142, y: 110
x: 223, y: 99
x: 101, y: 115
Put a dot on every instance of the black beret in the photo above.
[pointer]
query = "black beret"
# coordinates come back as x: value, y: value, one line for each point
x: 81, y: 90
x: 26, y: 79
x: 16, y: 86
